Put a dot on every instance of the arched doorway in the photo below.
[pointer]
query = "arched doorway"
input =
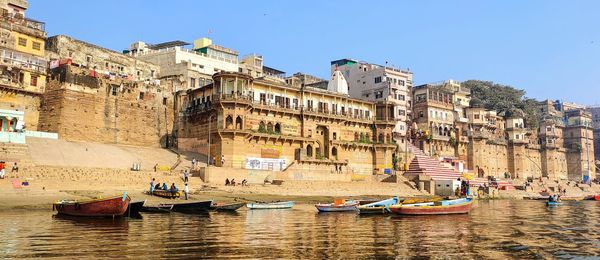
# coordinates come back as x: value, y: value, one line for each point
x: 334, y: 153
x: 229, y: 122
x: 238, y: 122
x: 278, y: 128
x: 309, y: 150
x: 270, y: 127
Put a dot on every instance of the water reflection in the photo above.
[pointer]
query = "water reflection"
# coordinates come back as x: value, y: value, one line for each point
x: 495, y: 229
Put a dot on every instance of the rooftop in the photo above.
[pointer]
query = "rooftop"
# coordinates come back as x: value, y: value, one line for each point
x: 169, y: 44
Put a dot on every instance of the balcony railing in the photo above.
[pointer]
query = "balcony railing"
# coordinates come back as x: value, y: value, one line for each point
x: 23, y: 61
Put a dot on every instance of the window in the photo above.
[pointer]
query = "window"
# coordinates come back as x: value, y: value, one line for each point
x: 114, y: 90
x: 401, y: 97
x: 401, y: 112
x: 476, y: 116
x: 22, y: 41
x: 142, y: 95
x: 401, y: 82
x: 377, y: 79
x: 192, y: 82
x: 421, y: 115
x: 165, y: 101
x: 152, y: 73
x: 36, y: 46
x: 33, y: 80
x: 88, y: 58
x: 379, y: 94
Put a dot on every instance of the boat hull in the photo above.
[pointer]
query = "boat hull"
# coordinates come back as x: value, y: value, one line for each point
x: 227, y: 207
x: 110, y: 207
x: 597, y: 197
x: 552, y: 203
x: 378, y: 207
x: 431, y: 208
x: 276, y: 205
x: 157, y: 209
x: 192, y: 207
x: 134, y: 207
x: 166, y: 194
x: 330, y: 208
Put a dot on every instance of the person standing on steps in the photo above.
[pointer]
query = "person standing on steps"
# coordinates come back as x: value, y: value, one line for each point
x: 186, y: 191
x: 186, y: 175
x: 193, y: 163
x: 222, y: 160
x: 152, y: 187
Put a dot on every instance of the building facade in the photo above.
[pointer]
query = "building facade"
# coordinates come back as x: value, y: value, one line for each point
x: 265, y: 123
x: 22, y: 64
x: 378, y: 83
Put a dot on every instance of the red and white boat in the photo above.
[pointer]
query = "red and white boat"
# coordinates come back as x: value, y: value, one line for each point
x: 444, y: 207
x: 105, y: 207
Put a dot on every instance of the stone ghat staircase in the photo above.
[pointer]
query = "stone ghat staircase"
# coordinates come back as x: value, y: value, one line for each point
x: 425, y: 165
x: 422, y: 164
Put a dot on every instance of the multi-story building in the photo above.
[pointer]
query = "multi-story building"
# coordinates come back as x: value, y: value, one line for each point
x: 22, y: 66
x: 99, y: 95
x: 595, y: 112
x: 579, y: 140
x: 380, y: 84
x: 439, y: 111
x: 265, y: 123
x: 193, y: 68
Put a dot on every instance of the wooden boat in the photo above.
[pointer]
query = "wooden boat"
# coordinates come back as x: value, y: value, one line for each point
x: 379, y: 207
x: 597, y: 198
x: 134, y: 207
x: 444, y: 207
x: 552, y: 203
x: 166, y: 194
x: 271, y: 205
x: 157, y: 209
x: 227, y: 207
x: 108, y: 207
x: 420, y: 200
x: 573, y: 198
x: 338, y: 206
x: 191, y: 207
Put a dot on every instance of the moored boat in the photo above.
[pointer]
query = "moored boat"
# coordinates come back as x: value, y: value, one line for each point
x: 166, y: 194
x: 597, y: 197
x: 106, y: 207
x: 134, y: 207
x: 338, y: 206
x: 157, y: 209
x: 227, y: 207
x: 552, y: 203
x: 271, y: 205
x: 444, y: 207
x: 379, y: 207
x: 191, y: 207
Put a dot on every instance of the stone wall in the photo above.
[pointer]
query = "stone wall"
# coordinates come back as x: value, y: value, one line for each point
x: 116, y: 112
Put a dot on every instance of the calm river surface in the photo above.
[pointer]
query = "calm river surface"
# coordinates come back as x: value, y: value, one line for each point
x: 495, y: 229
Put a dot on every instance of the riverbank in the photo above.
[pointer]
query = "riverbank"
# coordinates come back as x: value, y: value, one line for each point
x: 48, y: 184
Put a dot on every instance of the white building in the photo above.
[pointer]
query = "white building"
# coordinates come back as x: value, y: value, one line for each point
x: 379, y: 83
x: 195, y: 67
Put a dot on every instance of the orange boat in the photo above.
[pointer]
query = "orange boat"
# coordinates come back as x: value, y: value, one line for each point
x: 597, y: 197
x: 444, y: 207
x: 109, y: 207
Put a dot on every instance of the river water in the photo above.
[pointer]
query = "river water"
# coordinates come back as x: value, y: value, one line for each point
x: 495, y: 229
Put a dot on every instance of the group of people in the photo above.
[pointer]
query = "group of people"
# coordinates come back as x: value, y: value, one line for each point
x: 15, y: 168
x: 233, y: 183
x: 554, y: 198
x: 154, y: 186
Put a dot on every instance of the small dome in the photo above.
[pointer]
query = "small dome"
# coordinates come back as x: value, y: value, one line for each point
x: 514, y: 113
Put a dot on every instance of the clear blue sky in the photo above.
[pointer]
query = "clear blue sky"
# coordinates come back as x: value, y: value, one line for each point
x: 549, y: 48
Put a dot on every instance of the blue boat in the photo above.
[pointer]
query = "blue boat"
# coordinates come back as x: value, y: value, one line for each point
x: 552, y: 203
x: 379, y: 207
x: 272, y: 205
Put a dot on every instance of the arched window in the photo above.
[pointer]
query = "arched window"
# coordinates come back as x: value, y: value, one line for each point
x: 356, y: 137
x: 334, y: 152
x: 278, y: 128
x: 261, y: 127
x: 441, y: 130
x: 446, y: 132
x: 238, y: 122
x: 229, y: 122
x: 270, y: 127
x: 388, y: 138
x: 309, y: 150
x: 380, y: 138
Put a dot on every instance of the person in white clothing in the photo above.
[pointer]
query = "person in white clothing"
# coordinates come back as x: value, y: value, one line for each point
x: 186, y: 191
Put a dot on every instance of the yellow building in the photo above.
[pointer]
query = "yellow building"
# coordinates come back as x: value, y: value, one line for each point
x: 266, y: 124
